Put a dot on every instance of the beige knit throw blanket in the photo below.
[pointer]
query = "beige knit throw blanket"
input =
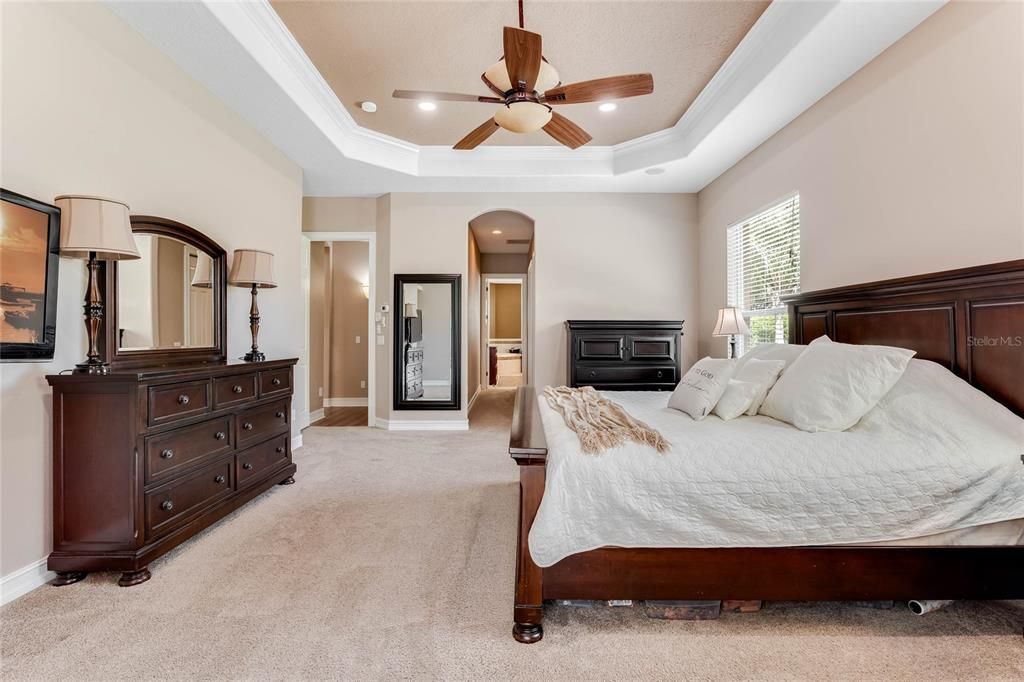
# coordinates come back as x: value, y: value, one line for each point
x: 600, y: 423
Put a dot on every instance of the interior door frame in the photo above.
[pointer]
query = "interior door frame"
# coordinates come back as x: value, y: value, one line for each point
x: 486, y: 280
x: 371, y: 348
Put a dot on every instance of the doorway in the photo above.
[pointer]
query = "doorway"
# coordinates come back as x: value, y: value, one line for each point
x: 504, y: 322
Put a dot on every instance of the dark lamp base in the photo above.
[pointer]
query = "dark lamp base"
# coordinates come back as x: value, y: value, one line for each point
x: 254, y: 356
x: 92, y: 368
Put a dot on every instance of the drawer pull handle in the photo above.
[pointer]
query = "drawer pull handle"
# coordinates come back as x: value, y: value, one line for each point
x: 279, y: 415
x: 247, y: 466
x: 276, y: 381
x: 593, y: 374
x: 247, y: 426
x: 280, y: 448
x: 236, y: 389
x: 183, y: 399
x: 220, y: 435
x: 218, y: 479
x: 167, y: 454
x: 660, y: 374
x: 167, y: 505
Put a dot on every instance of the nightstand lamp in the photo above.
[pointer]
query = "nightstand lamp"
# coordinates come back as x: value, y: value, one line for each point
x: 255, y: 269
x: 94, y: 229
x: 730, y: 323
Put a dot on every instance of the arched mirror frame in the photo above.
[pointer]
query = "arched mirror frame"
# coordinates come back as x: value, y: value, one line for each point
x: 155, y: 357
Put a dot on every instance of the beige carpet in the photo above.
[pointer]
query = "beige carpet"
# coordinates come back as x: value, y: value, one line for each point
x: 392, y: 557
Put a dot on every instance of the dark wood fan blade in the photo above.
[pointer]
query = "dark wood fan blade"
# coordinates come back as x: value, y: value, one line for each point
x: 522, y: 57
x: 614, y: 87
x: 566, y: 132
x: 427, y: 95
x: 478, y: 135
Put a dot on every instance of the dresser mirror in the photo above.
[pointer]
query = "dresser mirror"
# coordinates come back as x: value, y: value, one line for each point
x: 427, y: 342
x: 168, y: 306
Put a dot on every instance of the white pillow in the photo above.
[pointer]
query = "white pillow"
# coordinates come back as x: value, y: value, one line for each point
x: 832, y: 385
x: 763, y: 374
x: 701, y: 387
x: 736, y: 399
x: 787, y: 352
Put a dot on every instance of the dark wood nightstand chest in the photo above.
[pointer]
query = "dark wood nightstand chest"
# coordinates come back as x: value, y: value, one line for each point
x: 624, y: 355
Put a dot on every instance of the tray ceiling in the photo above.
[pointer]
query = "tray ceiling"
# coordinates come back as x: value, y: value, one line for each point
x: 365, y: 50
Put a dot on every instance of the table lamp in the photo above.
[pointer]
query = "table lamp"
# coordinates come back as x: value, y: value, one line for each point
x: 730, y: 323
x: 255, y: 269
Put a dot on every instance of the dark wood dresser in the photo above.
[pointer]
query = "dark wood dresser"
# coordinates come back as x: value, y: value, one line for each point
x: 143, y: 459
x: 624, y: 355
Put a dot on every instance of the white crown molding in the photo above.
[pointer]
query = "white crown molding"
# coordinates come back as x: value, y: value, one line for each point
x: 243, y: 52
x: 24, y: 580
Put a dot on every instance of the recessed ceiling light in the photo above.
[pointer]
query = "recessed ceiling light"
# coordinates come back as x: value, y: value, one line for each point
x: 608, y: 106
x: 654, y: 171
x: 368, y: 107
x: 427, y: 106
x: 495, y: 231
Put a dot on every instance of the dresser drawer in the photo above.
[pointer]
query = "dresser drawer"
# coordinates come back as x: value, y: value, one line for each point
x: 600, y: 347
x: 255, y: 463
x: 178, y: 401
x: 173, y: 504
x: 275, y: 381
x: 170, y: 452
x: 234, y: 389
x: 257, y: 423
x: 625, y: 374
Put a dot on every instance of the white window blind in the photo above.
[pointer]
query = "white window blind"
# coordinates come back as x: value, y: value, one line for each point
x: 764, y: 266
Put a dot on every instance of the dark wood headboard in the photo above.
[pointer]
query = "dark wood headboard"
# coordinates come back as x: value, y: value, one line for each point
x: 971, y: 320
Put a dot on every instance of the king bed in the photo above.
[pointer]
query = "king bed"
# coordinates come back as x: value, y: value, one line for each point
x: 922, y: 499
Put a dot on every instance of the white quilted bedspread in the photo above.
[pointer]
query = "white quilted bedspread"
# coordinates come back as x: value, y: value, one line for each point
x: 936, y: 455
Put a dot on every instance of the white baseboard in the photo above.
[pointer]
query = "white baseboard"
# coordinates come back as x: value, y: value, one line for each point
x: 345, y: 402
x: 296, y: 442
x: 381, y: 423
x: 24, y: 580
x: 424, y: 424
x: 436, y: 382
x: 316, y: 415
x: 473, y: 400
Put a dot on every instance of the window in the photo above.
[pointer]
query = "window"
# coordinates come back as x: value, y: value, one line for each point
x: 764, y: 266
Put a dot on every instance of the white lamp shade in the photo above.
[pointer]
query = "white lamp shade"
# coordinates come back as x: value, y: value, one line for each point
x: 95, y: 225
x: 497, y: 74
x: 410, y: 310
x: 523, y: 117
x: 203, y: 276
x: 251, y: 267
x: 730, y: 321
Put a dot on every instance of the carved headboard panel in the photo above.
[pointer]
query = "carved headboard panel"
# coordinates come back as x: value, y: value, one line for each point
x: 971, y: 320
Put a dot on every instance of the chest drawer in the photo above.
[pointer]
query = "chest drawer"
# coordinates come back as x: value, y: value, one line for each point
x: 173, y: 504
x: 600, y: 347
x: 171, y: 452
x: 275, y: 381
x: 256, y: 462
x: 625, y: 374
x: 257, y: 423
x: 234, y: 390
x: 178, y: 401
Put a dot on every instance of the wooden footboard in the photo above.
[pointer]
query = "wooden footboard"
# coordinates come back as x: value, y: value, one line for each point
x: 741, y: 573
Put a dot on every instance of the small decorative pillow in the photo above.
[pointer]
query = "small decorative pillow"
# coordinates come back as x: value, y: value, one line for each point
x: 701, y: 387
x: 763, y: 373
x: 736, y: 399
x: 832, y: 385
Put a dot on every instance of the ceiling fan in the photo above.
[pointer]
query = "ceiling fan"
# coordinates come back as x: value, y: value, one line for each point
x: 526, y: 86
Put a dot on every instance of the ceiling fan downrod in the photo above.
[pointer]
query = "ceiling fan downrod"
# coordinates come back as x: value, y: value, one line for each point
x: 521, y: 14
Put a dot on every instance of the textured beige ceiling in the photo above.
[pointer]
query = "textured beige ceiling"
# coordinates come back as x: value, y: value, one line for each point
x: 513, y: 226
x: 367, y: 49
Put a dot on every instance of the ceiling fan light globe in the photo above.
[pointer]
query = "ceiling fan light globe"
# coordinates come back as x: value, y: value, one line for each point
x: 547, y: 78
x: 523, y: 117
x: 497, y: 74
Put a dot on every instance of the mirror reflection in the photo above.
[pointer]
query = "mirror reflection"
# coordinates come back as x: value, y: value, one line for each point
x: 165, y: 298
x: 426, y: 313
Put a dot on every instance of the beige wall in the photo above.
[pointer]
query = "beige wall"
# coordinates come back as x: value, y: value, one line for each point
x: 88, y: 106
x: 319, y: 300
x: 473, y: 331
x: 347, y: 312
x: 504, y: 263
x: 339, y: 214
x: 506, y: 311
x: 912, y: 165
x: 640, y: 263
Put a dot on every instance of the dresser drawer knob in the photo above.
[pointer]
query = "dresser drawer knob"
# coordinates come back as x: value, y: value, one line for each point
x: 280, y: 448
x: 167, y: 505
x: 218, y: 478
x: 279, y: 415
x: 220, y: 435
x: 247, y: 466
x: 236, y: 389
x: 247, y: 426
x: 593, y: 373
x: 167, y: 454
x: 660, y: 374
x: 275, y: 381
x: 183, y: 399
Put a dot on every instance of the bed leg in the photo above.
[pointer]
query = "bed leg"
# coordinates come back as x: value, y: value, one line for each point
x: 529, y: 600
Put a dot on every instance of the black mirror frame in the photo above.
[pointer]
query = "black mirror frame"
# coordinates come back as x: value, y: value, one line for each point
x: 398, y: 383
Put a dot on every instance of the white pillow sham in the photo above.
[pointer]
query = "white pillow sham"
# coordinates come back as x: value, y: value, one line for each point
x: 832, y: 385
x: 787, y: 352
x: 701, y: 387
x: 736, y: 399
x: 762, y: 373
